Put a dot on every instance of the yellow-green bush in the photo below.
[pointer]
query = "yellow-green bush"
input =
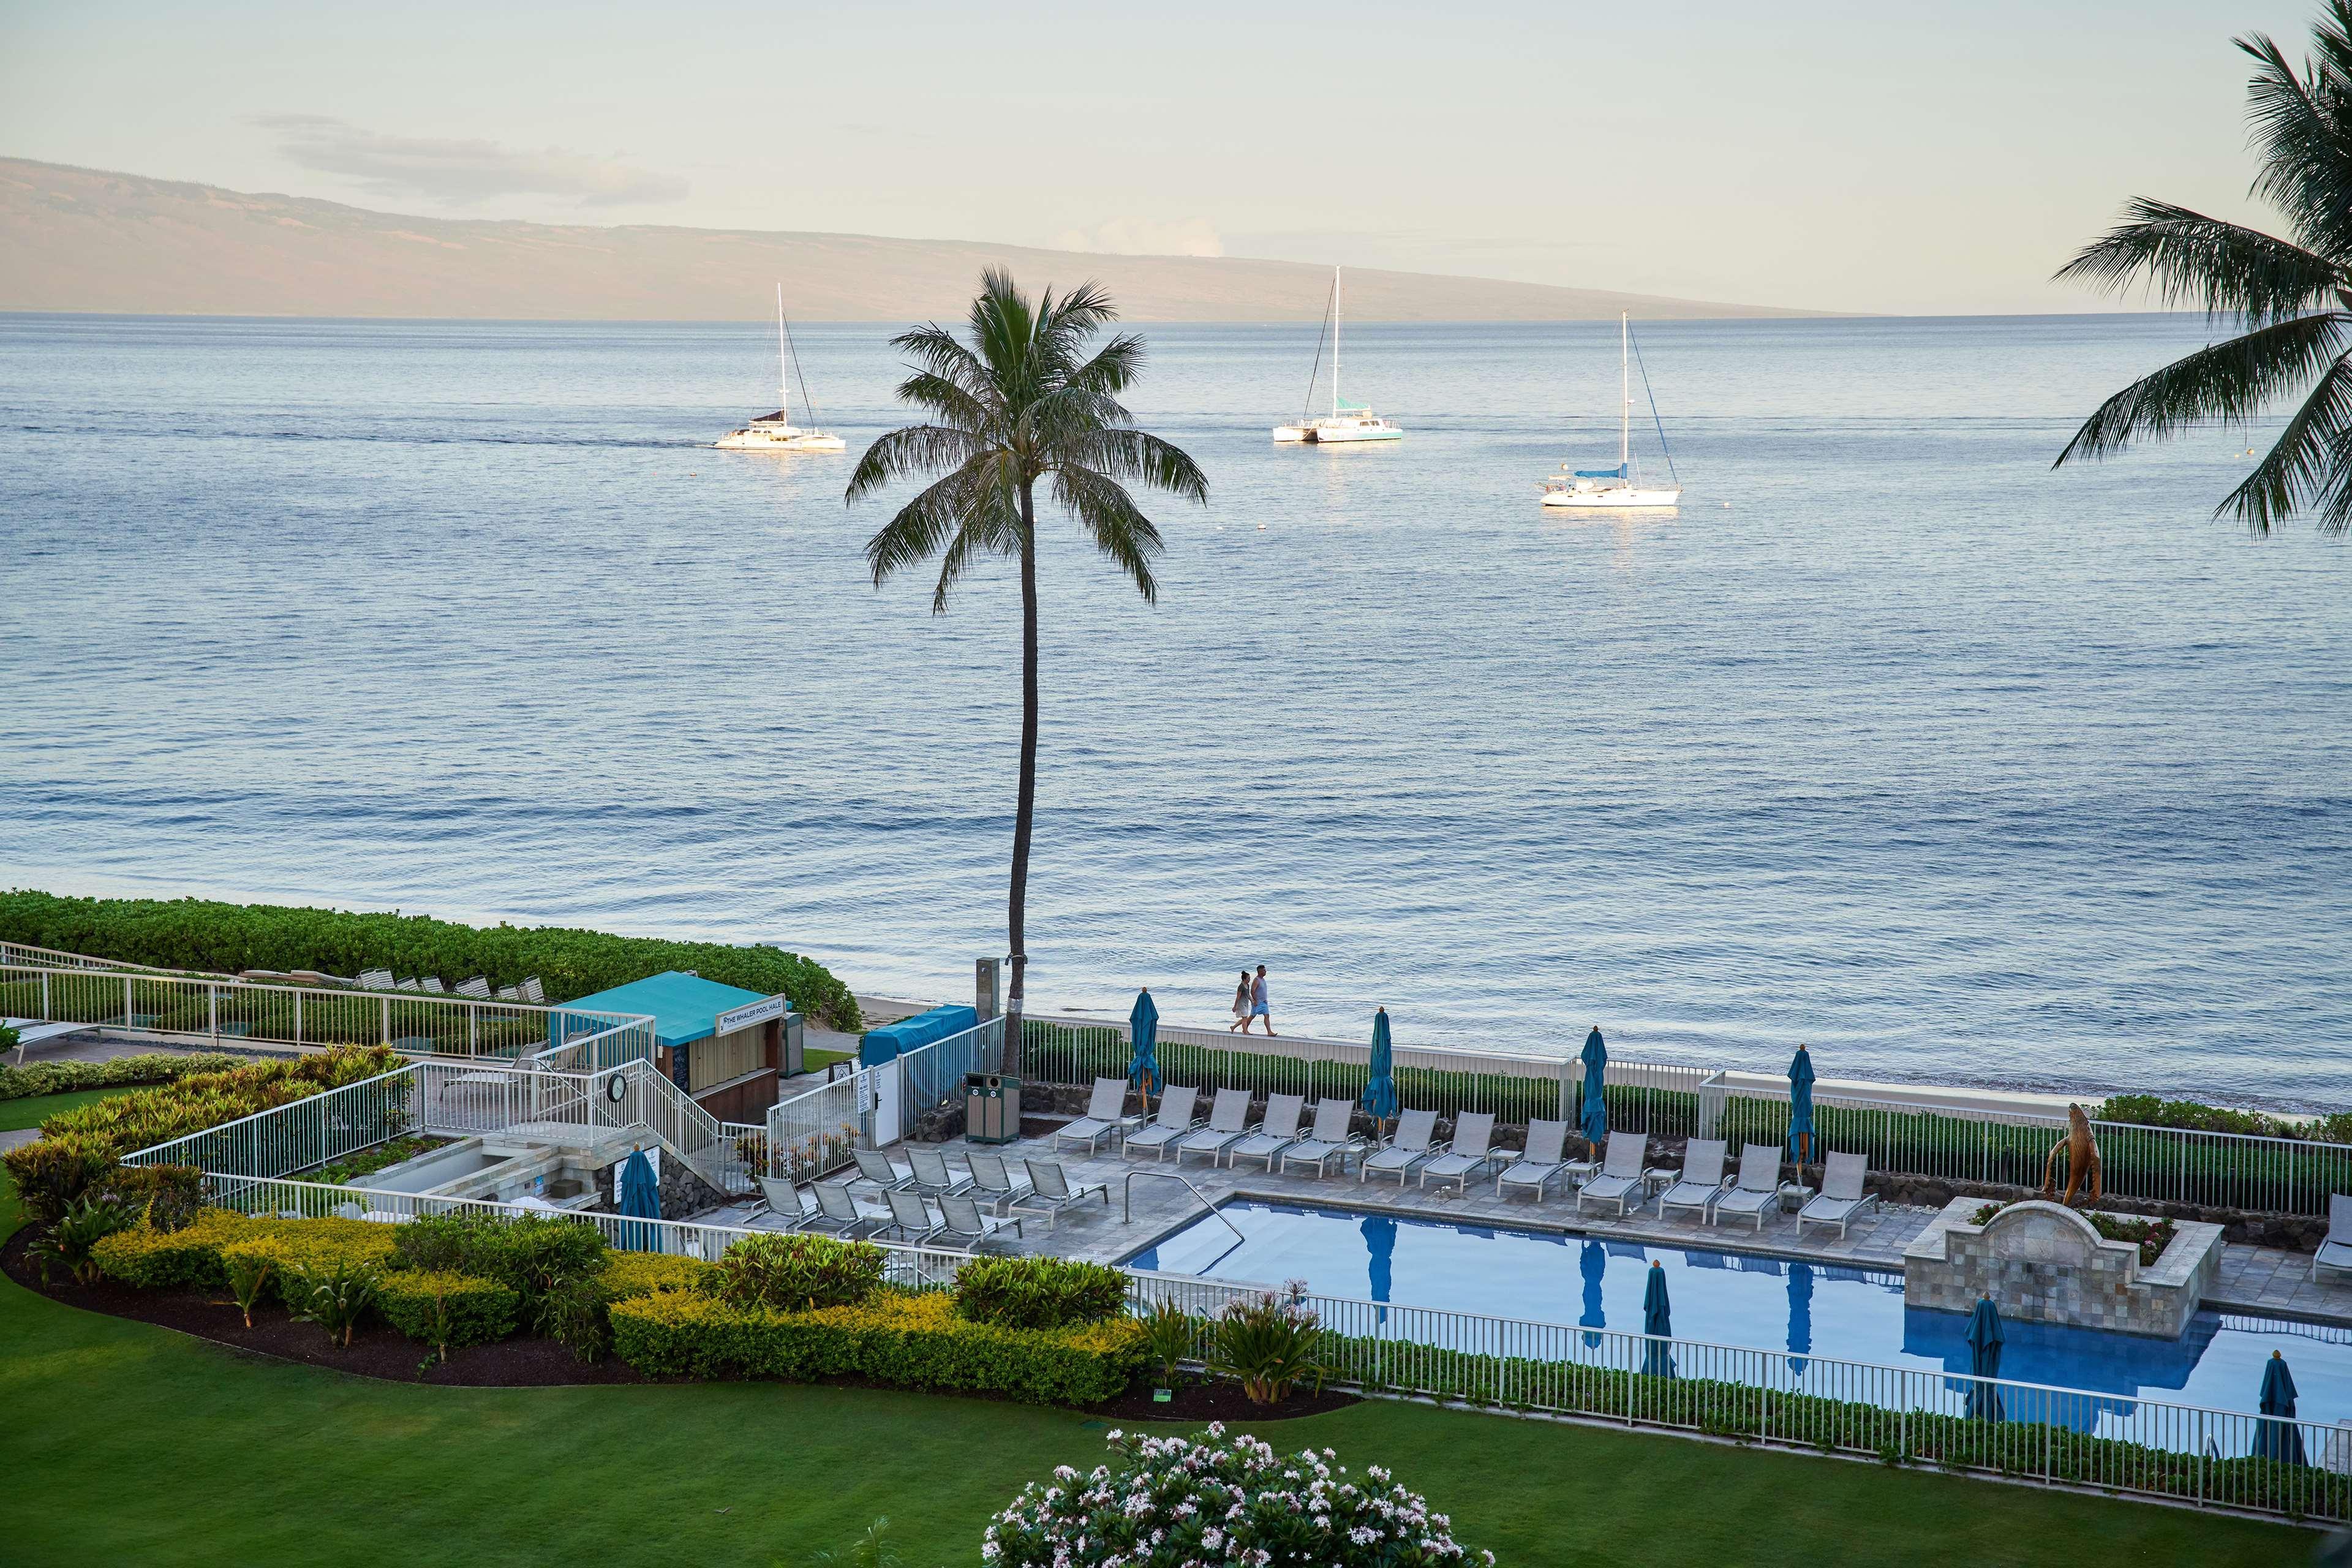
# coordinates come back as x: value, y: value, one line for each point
x: 897, y: 1337
x: 633, y: 1274
x: 314, y: 1244
x: 186, y: 1259
x: 447, y: 1311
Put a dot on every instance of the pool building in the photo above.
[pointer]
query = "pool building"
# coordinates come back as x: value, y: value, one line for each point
x: 727, y: 1048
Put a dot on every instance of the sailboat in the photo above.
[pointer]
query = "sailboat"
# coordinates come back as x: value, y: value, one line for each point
x: 1346, y: 422
x: 774, y: 432
x: 1621, y: 486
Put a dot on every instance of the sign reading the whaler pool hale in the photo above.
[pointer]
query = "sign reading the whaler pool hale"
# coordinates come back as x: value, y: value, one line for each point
x: 749, y: 1013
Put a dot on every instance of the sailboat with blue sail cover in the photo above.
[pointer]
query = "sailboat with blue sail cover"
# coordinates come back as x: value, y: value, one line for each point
x: 1622, y: 486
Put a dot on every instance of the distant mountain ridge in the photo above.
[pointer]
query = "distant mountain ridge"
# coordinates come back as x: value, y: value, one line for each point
x: 85, y: 239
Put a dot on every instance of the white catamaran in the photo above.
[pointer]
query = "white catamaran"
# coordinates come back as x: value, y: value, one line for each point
x: 774, y: 432
x: 1621, y: 486
x: 1346, y: 422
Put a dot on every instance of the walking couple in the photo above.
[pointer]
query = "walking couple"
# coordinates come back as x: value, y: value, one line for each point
x: 1249, y: 1003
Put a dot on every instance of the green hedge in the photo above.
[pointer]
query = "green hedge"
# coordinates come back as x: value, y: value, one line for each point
x: 67, y: 1077
x: 192, y: 933
x: 436, y: 1308
x: 915, y: 1340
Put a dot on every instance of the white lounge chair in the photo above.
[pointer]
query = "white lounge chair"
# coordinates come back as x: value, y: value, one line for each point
x: 1842, y: 1197
x: 1701, y: 1183
x: 376, y: 979
x: 1174, y: 1120
x: 1539, y: 1163
x: 1623, y: 1180
x: 1332, y: 1139
x: 1228, y: 1123
x: 408, y: 986
x: 910, y: 1216
x: 1050, y: 1192
x: 1759, y: 1187
x: 875, y: 1169
x: 509, y: 993
x: 933, y: 1176
x: 2336, y: 1251
x: 478, y: 987
x: 837, y: 1212
x: 993, y: 1181
x: 1105, y: 1116
x: 1474, y: 1132
x: 964, y: 1227
x: 1278, y: 1131
x: 783, y: 1199
x: 1408, y: 1148
x: 431, y: 985
x: 532, y: 993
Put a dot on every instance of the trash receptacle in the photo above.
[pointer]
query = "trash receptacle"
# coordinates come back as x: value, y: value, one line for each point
x: 991, y: 1107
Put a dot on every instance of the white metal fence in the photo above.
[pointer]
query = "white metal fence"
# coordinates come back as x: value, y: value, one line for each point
x: 932, y: 1076
x: 812, y: 1133
x: 18, y: 956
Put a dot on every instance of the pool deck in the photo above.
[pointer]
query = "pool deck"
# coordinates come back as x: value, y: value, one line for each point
x: 2260, y: 1281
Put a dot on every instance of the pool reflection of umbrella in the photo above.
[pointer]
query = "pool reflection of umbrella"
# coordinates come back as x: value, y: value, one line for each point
x: 1801, y: 1109
x: 1144, y: 1067
x: 640, y: 1199
x: 1986, y: 1337
x: 1593, y: 1263
x: 1657, y: 1317
x: 2279, y: 1439
x: 1594, y: 1121
x: 1800, y: 1315
x: 1379, y: 1087
x: 1380, y: 1241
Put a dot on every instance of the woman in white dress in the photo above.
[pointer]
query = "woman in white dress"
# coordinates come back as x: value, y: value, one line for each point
x: 1241, y: 1004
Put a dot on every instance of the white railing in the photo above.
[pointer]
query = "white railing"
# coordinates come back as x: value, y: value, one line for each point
x: 650, y: 1099
x: 16, y: 954
x: 302, y: 1134
x: 221, y: 1011
x: 932, y: 1076
x: 813, y: 1133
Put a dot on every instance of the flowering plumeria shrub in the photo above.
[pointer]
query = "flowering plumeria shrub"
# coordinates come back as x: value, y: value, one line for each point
x: 1174, y: 1502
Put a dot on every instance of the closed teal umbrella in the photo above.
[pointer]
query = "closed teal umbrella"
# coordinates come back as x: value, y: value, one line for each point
x: 1985, y: 1339
x: 1801, y: 1109
x: 1379, y: 1245
x: 640, y: 1199
x: 1594, y: 1124
x: 1800, y: 1315
x: 2281, y: 1438
x: 1143, y: 1068
x: 1593, y: 1263
x: 1658, y: 1319
x: 1379, y: 1088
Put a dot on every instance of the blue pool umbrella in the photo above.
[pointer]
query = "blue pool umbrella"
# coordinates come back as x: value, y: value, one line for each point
x: 1657, y: 1317
x: 1801, y: 1109
x: 1594, y: 1124
x: 1593, y: 1263
x: 1800, y: 1315
x: 1985, y: 1339
x: 2279, y: 1439
x: 1143, y: 1068
x: 640, y: 1199
x: 1379, y: 1088
x: 1379, y: 1242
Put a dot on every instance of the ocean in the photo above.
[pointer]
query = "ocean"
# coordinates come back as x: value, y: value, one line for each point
x: 1891, y: 740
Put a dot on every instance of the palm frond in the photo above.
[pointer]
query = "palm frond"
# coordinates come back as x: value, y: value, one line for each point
x: 2223, y: 269
x: 924, y: 525
x: 909, y: 451
x: 1110, y: 518
x: 2305, y: 464
x: 1135, y: 456
x: 2299, y: 128
x: 2230, y: 380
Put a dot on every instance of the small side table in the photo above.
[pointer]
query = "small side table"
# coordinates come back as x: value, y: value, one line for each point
x: 1794, y: 1195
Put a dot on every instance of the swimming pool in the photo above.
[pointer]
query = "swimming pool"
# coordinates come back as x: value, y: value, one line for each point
x: 1734, y: 1298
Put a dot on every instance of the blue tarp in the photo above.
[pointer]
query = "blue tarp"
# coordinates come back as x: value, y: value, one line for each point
x: 892, y: 1040
x: 1616, y: 473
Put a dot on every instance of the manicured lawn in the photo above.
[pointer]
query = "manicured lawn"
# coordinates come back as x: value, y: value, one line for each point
x: 124, y: 1443
x: 35, y: 1109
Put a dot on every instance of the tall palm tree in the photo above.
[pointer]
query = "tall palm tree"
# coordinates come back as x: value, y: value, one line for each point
x: 1020, y: 404
x: 2291, y: 300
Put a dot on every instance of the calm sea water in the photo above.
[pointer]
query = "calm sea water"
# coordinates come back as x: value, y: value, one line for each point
x: 1954, y: 767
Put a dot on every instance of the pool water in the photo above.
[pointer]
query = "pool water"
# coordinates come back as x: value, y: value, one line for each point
x: 1735, y: 1298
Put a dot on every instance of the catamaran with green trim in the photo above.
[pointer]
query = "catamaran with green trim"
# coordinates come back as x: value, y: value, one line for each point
x: 1347, y: 422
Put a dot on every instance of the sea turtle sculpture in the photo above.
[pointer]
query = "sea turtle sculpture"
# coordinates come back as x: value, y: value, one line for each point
x: 2081, y: 1159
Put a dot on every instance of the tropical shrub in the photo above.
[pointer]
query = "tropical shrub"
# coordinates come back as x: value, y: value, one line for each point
x: 629, y: 1274
x: 913, y: 1339
x: 1038, y: 1292
x: 528, y: 1254
x: 192, y: 933
x: 2150, y: 1236
x: 9, y: 1040
x: 1172, y: 1336
x: 185, y: 1260
x: 67, y: 1077
x: 168, y: 1197
x: 344, y: 1171
x: 335, y: 1294
x: 794, y: 1273
x: 447, y: 1311
x: 72, y: 1243
x: 249, y: 1278
x: 296, y: 1248
x: 53, y: 1173
x: 2150, y: 1111
x: 1270, y: 1342
x: 1224, y: 1499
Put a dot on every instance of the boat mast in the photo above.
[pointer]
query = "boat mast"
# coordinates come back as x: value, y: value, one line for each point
x: 783, y: 374
x: 1335, y: 343
x: 1624, y: 400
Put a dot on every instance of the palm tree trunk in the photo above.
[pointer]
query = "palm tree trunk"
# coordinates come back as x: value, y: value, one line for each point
x: 1017, y: 896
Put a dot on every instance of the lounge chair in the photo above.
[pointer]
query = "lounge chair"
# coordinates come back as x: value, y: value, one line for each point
x: 1759, y: 1187
x: 1842, y: 1197
x: 875, y: 1169
x: 1228, y: 1124
x: 995, y: 1182
x: 1701, y: 1183
x: 1278, y: 1131
x: 1539, y: 1163
x: 509, y: 993
x: 964, y: 1227
x: 837, y: 1212
x: 1473, y: 1133
x: 1050, y: 1191
x: 532, y: 994
x: 1623, y: 1180
x: 478, y: 987
x: 933, y: 1176
x: 376, y: 979
x: 1332, y: 1139
x: 910, y: 1216
x: 1408, y: 1148
x: 408, y: 986
x: 1105, y: 1116
x: 781, y: 1198
x: 2336, y: 1251
x: 1174, y: 1120
x: 431, y: 985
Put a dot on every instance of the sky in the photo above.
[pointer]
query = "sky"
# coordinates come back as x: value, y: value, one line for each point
x: 1889, y: 156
